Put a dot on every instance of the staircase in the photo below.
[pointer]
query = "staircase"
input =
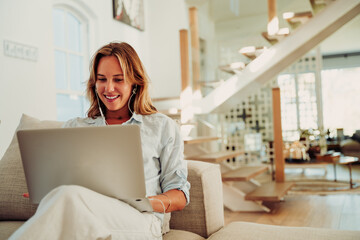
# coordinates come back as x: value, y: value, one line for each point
x: 278, y: 57
x: 241, y: 191
x: 199, y: 147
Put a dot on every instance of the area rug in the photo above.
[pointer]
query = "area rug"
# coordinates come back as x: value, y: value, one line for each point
x: 322, y: 187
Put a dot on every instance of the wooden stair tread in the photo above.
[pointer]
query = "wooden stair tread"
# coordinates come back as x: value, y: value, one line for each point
x: 244, y: 173
x: 297, y: 19
x: 171, y: 114
x: 165, y: 99
x: 252, y: 52
x: 273, y: 39
x: 193, y: 140
x: 215, y: 157
x: 272, y: 191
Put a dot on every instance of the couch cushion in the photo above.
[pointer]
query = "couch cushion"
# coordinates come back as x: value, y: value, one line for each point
x: 181, y: 235
x: 350, y: 145
x: 8, y: 227
x: 255, y: 231
x: 13, y: 206
x: 205, y: 213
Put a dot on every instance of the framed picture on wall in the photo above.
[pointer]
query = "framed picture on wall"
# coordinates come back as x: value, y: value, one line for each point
x: 130, y: 12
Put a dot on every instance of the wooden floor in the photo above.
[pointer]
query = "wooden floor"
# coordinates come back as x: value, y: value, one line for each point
x: 332, y: 211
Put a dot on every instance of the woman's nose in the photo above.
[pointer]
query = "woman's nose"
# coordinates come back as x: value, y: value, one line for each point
x: 109, y: 86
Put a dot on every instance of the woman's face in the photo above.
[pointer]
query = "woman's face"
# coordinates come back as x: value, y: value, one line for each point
x: 113, y: 90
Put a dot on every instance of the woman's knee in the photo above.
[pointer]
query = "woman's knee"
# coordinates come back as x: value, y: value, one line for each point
x: 69, y: 189
x: 67, y: 192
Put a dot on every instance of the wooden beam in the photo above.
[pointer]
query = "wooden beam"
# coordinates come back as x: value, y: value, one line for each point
x: 278, y: 140
x: 271, y: 10
x: 184, y: 55
x: 273, y: 21
x: 195, y: 47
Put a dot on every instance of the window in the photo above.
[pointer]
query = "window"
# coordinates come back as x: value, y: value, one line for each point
x: 307, y: 101
x: 298, y: 103
x: 289, y: 114
x: 341, y: 98
x: 70, y: 63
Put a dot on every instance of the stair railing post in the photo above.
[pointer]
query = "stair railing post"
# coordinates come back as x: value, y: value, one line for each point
x: 273, y: 21
x: 278, y: 139
x: 184, y: 59
x: 186, y: 88
x: 195, y: 49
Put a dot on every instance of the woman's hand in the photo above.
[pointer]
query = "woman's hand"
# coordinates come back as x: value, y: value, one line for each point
x: 173, y: 200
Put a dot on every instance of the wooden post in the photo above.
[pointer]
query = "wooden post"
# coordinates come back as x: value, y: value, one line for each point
x: 271, y: 10
x: 184, y: 59
x: 195, y: 47
x: 278, y: 140
x: 273, y: 21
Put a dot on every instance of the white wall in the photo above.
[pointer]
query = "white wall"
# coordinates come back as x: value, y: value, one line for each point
x: 165, y: 19
x: 26, y: 86
x: 207, y: 32
x: 29, y: 86
x: 344, y: 40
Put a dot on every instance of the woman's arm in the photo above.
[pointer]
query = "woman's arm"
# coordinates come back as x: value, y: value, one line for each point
x: 173, y: 200
x: 173, y: 174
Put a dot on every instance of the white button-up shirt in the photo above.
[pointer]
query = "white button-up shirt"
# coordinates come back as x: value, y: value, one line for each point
x: 162, y: 148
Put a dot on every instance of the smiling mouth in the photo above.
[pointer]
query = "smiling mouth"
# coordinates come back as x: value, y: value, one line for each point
x: 112, y: 97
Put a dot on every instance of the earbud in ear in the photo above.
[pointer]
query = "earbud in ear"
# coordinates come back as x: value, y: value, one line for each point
x: 134, y: 89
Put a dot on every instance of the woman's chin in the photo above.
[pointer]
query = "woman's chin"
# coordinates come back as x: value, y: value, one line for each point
x: 114, y: 108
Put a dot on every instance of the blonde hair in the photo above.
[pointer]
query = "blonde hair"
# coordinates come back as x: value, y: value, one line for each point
x: 134, y: 72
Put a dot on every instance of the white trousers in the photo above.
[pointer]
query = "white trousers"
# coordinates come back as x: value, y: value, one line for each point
x: 74, y: 212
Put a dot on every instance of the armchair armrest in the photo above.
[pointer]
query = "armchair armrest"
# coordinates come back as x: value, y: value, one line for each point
x: 205, y: 213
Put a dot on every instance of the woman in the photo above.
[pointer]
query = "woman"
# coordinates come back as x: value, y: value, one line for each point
x: 118, y: 93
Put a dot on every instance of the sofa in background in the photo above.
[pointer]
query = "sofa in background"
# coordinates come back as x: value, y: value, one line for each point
x: 203, y: 218
x: 351, y: 147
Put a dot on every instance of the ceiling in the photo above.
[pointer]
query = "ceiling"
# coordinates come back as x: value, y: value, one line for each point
x: 225, y: 10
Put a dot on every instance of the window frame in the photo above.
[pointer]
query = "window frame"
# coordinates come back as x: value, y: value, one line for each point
x: 313, y: 65
x: 87, y: 20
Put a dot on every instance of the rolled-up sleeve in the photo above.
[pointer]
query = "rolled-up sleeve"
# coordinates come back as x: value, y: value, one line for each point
x: 173, y: 166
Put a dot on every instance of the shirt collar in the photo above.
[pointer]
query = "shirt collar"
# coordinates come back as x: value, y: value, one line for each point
x: 136, y: 117
x: 100, y: 120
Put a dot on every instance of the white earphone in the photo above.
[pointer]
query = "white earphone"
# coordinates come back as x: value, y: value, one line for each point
x: 101, y: 112
x: 133, y: 92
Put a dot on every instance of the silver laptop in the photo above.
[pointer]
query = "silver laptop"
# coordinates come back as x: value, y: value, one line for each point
x: 105, y: 159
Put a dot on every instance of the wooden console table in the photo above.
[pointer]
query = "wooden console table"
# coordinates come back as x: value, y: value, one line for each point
x: 346, y: 160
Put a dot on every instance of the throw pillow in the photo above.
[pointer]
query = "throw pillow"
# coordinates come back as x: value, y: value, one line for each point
x: 13, y: 206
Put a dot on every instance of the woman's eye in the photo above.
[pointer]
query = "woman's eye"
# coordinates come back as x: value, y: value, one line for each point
x: 118, y: 79
x: 102, y: 79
